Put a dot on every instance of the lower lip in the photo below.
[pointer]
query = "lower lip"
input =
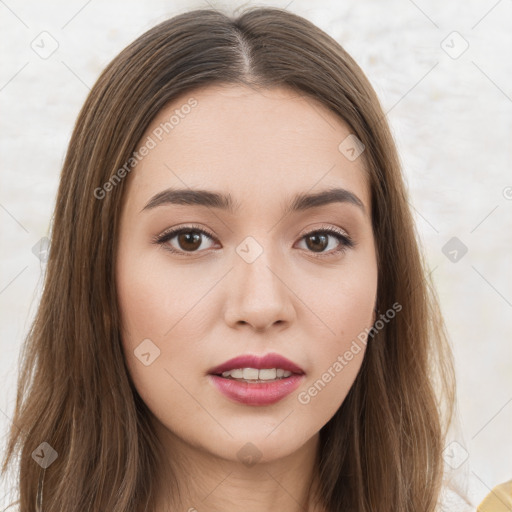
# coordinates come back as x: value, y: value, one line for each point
x: 261, y: 393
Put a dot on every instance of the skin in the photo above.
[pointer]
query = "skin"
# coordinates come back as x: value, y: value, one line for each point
x: 204, y: 307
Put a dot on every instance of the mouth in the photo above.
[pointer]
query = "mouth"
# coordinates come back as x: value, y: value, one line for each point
x: 254, y: 380
x: 252, y: 368
x: 255, y: 375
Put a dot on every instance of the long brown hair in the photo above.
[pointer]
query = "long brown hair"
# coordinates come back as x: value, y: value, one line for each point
x: 382, y: 450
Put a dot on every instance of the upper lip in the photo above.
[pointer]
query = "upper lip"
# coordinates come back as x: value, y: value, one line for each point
x: 271, y: 360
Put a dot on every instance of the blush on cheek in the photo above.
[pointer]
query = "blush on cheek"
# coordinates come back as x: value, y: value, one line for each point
x: 147, y: 304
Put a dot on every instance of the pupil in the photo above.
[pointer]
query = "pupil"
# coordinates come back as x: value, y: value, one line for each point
x: 187, y: 238
x: 323, y: 243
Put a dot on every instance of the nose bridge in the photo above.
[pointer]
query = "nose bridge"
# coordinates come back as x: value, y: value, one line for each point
x: 258, y: 294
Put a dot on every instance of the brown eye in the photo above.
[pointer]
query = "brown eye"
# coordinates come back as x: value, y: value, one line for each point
x: 189, y: 241
x: 317, y: 242
x: 183, y: 240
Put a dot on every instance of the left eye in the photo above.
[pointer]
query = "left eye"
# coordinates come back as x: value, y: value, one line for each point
x: 190, y: 240
x: 320, y: 240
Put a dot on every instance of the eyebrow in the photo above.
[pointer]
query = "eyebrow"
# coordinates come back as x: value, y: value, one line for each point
x: 299, y: 202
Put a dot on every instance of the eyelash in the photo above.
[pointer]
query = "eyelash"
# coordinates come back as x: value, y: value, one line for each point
x: 346, y: 241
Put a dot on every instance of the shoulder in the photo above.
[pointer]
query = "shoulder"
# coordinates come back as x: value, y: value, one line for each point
x: 498, y: 500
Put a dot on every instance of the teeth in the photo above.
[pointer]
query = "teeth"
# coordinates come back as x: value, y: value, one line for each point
x: 265, y: 374
x: 251, y: 373
x: 255, y: 374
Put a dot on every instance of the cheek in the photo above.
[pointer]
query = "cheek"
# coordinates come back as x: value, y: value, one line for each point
x: 337, y: 362
x: 156, y: 299
x: 346, y: 308
x: 161, y: 335
x: 340, y: 301
x: 167, y: 306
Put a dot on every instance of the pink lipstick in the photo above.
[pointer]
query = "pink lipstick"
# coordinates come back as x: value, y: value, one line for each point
x: 255, y: 380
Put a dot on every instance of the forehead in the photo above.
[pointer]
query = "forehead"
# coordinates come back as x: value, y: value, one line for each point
x: 256, y: 144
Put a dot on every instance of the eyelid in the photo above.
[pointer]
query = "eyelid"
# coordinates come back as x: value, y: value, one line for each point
x: 187, y: 227
x: 329, y: 228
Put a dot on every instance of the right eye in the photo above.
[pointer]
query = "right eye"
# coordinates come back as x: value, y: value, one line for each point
x: 188, y: 239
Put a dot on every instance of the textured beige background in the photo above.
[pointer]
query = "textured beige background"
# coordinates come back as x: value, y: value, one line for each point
x: 451, y: 117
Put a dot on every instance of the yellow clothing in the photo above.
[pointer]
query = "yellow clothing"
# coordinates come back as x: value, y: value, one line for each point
x: 498, y: 500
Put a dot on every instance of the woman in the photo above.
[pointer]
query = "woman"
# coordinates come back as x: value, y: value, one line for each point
x: 236, y: 314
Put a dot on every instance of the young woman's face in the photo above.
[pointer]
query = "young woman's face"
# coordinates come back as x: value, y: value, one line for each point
x: 262, y: 277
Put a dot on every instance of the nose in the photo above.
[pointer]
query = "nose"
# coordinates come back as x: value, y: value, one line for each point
x: 258, y: 295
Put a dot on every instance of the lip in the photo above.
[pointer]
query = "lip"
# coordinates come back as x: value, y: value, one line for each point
x: 257, y: 393
x: 264, y: 393
x: 271, y: 360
